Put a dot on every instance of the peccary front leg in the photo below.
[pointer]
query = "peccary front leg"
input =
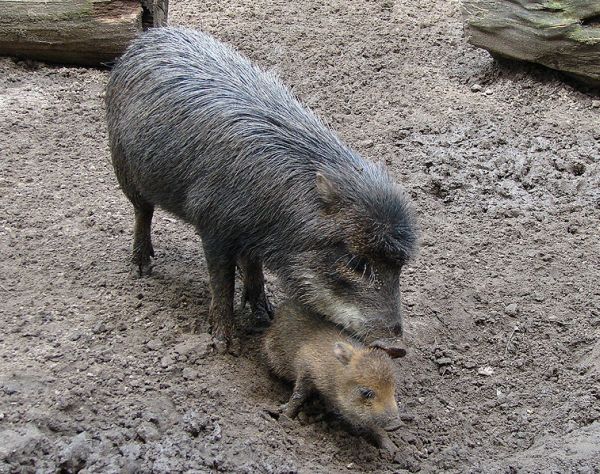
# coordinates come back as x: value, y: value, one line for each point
x: 221, y: 270
x: 254, y: 290
x: 302, y: 389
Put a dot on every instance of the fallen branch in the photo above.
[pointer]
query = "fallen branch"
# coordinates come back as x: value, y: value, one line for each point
x: 560, y: 34
x: 87, y: 32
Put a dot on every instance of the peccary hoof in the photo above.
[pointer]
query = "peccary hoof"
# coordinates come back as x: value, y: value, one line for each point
x: 141, y: 270
x: 259, y: 323
x: 223, y: 345
x: 395, y: 348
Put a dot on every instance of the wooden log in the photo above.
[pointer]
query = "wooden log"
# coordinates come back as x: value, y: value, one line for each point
x: 87, y: 32
x: 560, y: 34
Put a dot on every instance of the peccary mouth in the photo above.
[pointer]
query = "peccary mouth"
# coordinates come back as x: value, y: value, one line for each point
x: 394, y: 425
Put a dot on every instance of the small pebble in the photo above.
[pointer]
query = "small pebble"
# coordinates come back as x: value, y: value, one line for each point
x: 166, y: 362
x: 486, y: 371
x: 147, y: 432
x: 189, y: 373
x: 154, y: 344
x: 512, y: 309
x: 74, y: 456
x: 99, y: 328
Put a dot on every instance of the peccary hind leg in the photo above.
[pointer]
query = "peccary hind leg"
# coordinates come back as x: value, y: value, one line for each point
x: 144, y: 210
x: 254, y: 291
x: 142, y: 242
x: 221, y: 270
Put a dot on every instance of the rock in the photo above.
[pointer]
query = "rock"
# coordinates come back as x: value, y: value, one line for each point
x: 194, y: 423
x: 74, y: 456
x: 18, y: 439
x: 476, y: 88
x: 154, y: 344
x: 443, y: 361
x: 130, y: 450
x: 485, y: 371
x: 367, y: 143
x: 147, y: 432
x: 596, y: 104
x: 216, y: 433
x: 511, y: 309
x: 165, y: 362
x: 9, y: 388
x: 99, y: 328
x: 195, y: 346
x: 406, y: 462
x: 189, y: 373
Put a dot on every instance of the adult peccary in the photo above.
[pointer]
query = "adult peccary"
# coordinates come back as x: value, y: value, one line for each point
x: 198, y: 130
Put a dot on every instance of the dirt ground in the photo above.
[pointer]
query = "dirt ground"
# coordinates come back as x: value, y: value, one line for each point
x: 99, y: 371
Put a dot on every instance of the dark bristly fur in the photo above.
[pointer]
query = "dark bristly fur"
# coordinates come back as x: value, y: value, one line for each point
x: 198, y: 130
x: 314, y: 354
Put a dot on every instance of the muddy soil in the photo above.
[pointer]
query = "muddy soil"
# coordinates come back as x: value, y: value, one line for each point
x: 100, y: 372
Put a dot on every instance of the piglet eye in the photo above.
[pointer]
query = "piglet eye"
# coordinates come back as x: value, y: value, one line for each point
x: 367, y: 393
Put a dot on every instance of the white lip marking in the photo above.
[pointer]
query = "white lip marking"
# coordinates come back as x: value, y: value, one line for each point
x: 346, y: 315
x: 336, y: 310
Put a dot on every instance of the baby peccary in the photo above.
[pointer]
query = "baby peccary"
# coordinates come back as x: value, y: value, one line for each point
x: 358, y: 382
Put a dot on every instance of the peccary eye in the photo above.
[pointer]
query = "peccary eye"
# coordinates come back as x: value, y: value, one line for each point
x: 367, y: 393
x: 357, y: 265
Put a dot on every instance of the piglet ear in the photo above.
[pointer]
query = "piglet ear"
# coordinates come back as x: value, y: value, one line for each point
x: 343, y: 352
x: 328, y: 192
x: 393, y: 347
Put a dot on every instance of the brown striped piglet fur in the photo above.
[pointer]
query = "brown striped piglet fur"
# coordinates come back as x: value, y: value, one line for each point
x: 357, y: 381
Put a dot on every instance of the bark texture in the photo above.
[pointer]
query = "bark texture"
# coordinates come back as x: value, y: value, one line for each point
x: 87, y: 32
x: 562, y: 34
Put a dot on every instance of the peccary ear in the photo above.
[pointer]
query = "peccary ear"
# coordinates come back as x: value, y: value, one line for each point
x: 328, y: 193
x: 343, y: 352
x: 393, y: 348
